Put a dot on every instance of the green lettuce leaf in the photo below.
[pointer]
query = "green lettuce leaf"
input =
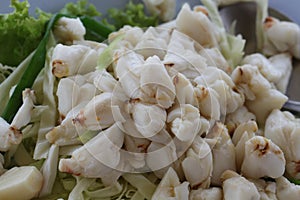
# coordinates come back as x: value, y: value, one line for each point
x: 20, y: 33
x: 133, y: 15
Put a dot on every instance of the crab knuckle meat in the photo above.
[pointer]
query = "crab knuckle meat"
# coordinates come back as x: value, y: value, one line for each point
x: 261, y: 98
x: 153, y: 42
x: 223, y: 152
x: 23, y: 116
x: 197, y: 166
x: 97, y: 113
x: 183, y: 56
x: 236, y: 187
x: 208, y: 102
x: 128, y: 70
x: 171, y: 188
x: 281, y: 36
x: 105, y: 82
x: 130, y: 34
x: 66, y: 133
x: 79, y: 90
x: 215, y: 58
x: 68, y: 30
x: 149, y: 119
x: 156, y: 84
x: 286, y: 190
x: 9, y: 136
x: 165, y: 9
x: 185, y: 93
x: 219, y: 81
x: 212, y: 193
x: 72, y: 60
x: 160, y: 156
x: 249, y: 127
x: 266, y: 189
x: 241, y: 115
x: 262, y: 158
x: 283, y: 129
x: 241, y: 135
x: 185, y: 122
x: 98, y: 158
x: 205, y: 34
x: 277, y: 69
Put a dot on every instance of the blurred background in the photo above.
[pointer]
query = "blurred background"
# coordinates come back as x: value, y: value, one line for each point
x: 287, y: 7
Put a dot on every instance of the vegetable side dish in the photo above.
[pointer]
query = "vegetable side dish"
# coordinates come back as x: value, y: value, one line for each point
x: 139, y: 106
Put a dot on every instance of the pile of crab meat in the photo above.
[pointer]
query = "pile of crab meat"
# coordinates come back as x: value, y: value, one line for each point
x: 168, y: 103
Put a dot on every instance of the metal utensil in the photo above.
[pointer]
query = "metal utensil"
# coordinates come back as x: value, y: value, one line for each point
x: 245, y: 14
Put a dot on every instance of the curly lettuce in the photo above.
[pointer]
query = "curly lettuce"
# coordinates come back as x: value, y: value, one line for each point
x: 20, y: 33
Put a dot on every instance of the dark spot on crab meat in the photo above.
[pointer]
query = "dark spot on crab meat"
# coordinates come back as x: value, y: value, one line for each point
x: 297, y: 166
x: 80, y: 118
x: 137, y: 100
x: 262, y: 150
x: 269, y: 22
x: 15, y: 130
x: 169, y: 64
x: 176, y: 80
x: 241, y: 71
x: 235, y: 89
x: 201, y: 9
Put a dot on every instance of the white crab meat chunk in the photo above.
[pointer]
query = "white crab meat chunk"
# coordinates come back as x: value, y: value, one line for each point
x: 10, y: 134
x: 205, y: 34
x: 79, y: 89
x: 208, y: 102
x: 148, y: 119
x: 67, y: 30
x: 185, y: 93
x: 236, y: 187
x: 241, y: 135
x: 222, y: 150
x: 183, y: 56
x: 185, y: 122
x: 266, y: 189
x: 262, y: 158
x: 238, y: 117
x: 98, y: 158
x: 67, y: 133
x: 198, y: 164
x: 156, y: 84
x: 261, y: 98
x: 128, y: 69
x: 281, y: 36
x: 284, y: 130
x: 229, y: 99
x: 130, y: 36
x: 171, y: 188
x: 165, y: 9
x: 160, y: 156
x: 276, y: 69
x: 23, y: 116
x: 215, y: 58
x: 153, y: 42
x: 286, y: 190
x: 97, y: 113
x: 212, y: 193
x: 135, y: 150
x: 72, y: 60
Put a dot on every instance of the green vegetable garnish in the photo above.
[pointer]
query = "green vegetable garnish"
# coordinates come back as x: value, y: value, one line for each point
x: 133, y: 15
x: 33, y: 69
x: 20, y: 33
x: 81, y: 8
